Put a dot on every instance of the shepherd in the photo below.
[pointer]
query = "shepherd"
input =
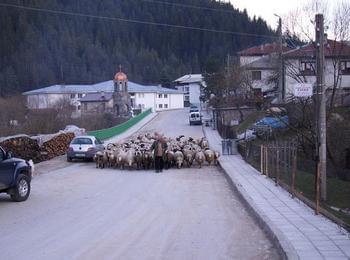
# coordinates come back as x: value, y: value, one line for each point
x: 159, y: 147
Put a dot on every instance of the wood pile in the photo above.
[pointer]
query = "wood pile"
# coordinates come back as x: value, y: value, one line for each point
x: 28, y: 148
x: 23, y: 147
x: 56, y: 146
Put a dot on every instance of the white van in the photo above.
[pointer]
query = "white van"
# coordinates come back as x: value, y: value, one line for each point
x: 195, y: 118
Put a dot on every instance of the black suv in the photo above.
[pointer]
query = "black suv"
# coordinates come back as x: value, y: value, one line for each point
x: 15, y: 176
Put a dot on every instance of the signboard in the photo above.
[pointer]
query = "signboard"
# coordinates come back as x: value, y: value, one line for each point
x: 303, y: 90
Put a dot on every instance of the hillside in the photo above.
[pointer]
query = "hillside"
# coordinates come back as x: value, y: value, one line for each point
x: 42, y: 48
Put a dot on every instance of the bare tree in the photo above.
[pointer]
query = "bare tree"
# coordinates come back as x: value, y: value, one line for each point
x: 338, y: 24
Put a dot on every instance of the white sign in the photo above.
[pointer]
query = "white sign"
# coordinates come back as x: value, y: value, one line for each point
x: 303, y: 90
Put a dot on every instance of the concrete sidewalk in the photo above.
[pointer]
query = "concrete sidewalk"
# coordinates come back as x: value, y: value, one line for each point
x: 293, y: 225
x: 132, y: 130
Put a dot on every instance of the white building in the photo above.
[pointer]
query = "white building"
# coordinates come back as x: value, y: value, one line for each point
x: 300, y: 67
x: 252, y: 54
x: 142, y: 96
x: 261, y: 64
x: 262, y: 72
x: 190, y: 85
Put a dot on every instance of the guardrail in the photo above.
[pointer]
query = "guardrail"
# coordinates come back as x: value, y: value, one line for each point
x: 118, y: 129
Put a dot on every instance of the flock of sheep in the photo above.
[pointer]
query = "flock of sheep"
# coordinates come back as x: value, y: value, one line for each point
x: 137, y: 152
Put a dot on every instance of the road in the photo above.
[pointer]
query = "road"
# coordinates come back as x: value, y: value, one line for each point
x: 78, y: 212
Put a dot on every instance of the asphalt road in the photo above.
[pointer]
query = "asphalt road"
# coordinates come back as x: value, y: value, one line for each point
x: 78, y: 212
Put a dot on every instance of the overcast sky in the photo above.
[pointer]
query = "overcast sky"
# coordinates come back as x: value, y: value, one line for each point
x: 267, y: 8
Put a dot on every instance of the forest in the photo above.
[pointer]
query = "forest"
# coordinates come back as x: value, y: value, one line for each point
x: 39, y: 47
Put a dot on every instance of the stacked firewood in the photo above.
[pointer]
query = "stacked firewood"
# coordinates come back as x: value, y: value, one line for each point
x: 28, y: 148
x: 56, y: 146
x: 23, y: 147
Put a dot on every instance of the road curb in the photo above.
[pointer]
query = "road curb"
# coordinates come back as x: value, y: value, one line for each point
x: 283, y: 245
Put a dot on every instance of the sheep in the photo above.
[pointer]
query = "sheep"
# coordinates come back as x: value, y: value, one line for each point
x: 169, y: 159
x: 179, y: 159
x: 138, y: 159
x: 101, y: 159
x: 200, y: 158
x: 121, y: 159
x: 188, y: 156
x: 216, y: 157
x: 130, y: 158
x: 147, y: 159
x: 209, y: 156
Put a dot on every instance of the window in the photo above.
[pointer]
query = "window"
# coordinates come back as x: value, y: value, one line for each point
x: 82, y: 140
x: 165, y: 105
x: 187, y: 98
x: 79, y: 107
x: 187, y: 89
x: 165, y: 95
x: 345, y: 67
x: 141, y: 95
x: 160, y: 95
x: 160, y: 105
x: 256, y: 75
x: 307, y: 68
x: 80, y: 95
x: 72, y: 96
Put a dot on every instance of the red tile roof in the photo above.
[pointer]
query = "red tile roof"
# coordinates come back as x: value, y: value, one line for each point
x: 263, y: 49
x: 332, y: 49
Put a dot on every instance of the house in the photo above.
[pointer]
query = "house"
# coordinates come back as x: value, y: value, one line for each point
x: 261, y: 63
x: 191, y: 85
x: 300, y: 67
x: 254, y: 53
x: 115, y: 96
x: 97, y: 103
x: 262, y: 73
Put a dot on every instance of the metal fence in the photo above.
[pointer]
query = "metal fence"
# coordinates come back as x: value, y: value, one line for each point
x: 116, y: 130
x: 289, y: 168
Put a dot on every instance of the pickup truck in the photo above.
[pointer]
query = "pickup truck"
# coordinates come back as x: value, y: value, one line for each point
x: 15, y: 176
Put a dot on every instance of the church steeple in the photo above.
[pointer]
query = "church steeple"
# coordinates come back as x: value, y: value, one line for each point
x: 121, y: 95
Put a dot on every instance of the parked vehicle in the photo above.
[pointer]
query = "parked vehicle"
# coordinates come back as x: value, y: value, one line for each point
x: 195, y: 118
x: 84, y: 147
x: 194, y: 109
x: 15, y: 176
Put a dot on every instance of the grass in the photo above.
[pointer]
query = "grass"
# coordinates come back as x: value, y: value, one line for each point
x: 250, y: 120
x: 338, y: 191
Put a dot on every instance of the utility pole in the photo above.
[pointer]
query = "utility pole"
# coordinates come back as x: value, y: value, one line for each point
x: 280, y: 63
x: 321, y: 97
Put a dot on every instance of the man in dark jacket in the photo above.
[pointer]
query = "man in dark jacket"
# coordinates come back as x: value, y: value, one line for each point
x: 159, y: 147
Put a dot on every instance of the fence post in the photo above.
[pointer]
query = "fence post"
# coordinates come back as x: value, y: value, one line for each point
x: 266, y: 161
x: 294, y: 168
x: 262, y: 159
x: 277, y: 163
x: 317, y: 190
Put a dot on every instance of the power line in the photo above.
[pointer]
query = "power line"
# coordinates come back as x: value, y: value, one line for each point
x: 190, y: 6
x: 133, y: 21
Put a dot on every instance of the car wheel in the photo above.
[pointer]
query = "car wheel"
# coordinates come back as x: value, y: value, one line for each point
x: 22, y: 190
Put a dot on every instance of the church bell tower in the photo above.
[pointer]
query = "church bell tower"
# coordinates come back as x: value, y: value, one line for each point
x: 121, y: 97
